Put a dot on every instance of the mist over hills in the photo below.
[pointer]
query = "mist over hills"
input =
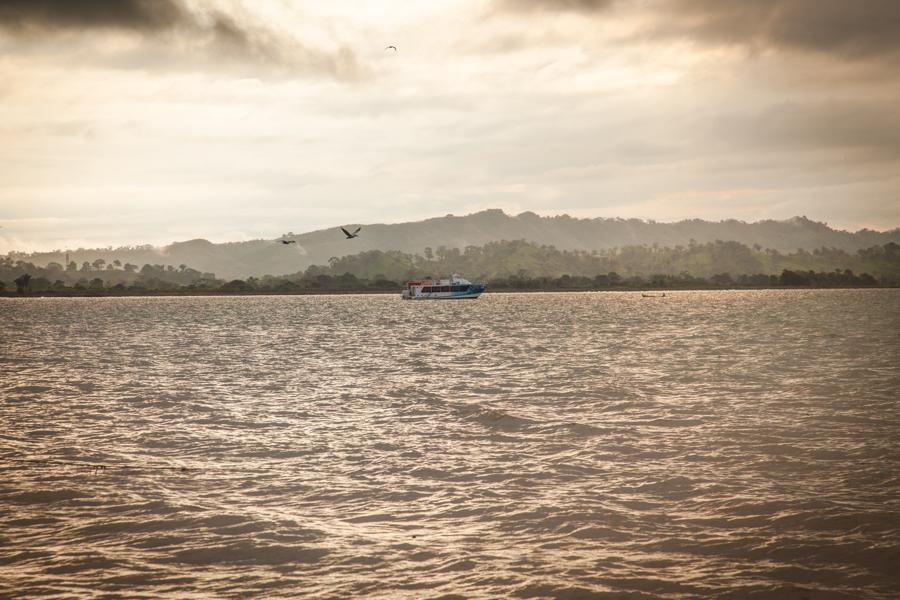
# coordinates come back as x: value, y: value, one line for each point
x: 258, y: 257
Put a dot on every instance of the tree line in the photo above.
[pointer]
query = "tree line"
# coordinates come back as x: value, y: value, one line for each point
x: 507, y: 265
x: 99, y: 277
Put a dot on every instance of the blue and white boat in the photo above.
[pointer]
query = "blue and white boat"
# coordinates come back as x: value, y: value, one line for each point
x: 442, y: 289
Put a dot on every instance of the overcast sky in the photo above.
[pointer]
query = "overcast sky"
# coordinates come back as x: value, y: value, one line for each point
x: 149, y: 121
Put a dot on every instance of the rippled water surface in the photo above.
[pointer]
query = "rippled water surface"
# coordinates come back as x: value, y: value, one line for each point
x: 726, y: 444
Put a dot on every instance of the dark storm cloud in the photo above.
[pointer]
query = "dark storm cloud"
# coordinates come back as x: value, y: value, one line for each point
x: 849, y: 27
x: 138, y: 15
x: 853, y: 28
x: 184, y: 38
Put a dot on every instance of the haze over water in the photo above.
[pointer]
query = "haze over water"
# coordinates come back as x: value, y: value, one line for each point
x: 726, y: 444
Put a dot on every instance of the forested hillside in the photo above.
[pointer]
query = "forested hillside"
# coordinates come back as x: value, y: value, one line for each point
x: 524, y: 259
x: 252, y: 258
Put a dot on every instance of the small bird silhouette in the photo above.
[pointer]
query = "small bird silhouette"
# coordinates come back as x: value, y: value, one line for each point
x: 349, y: 235
x: 394, y: 48
x: 288, y: 241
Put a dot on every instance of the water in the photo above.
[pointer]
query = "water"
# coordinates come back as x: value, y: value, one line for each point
x: 724, y: 444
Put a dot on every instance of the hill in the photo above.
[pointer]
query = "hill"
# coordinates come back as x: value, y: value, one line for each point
x: 258, y: 257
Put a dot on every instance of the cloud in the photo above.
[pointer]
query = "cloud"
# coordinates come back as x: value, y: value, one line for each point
x: 654, y: 108
x: 868, y: 128
x: 850, y: 28
x: 169, y: 33
x: 856, y: 28
x: 135, y: 15
x: 553, y: 5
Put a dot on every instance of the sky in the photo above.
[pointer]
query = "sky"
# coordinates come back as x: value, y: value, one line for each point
x: 151, y: 121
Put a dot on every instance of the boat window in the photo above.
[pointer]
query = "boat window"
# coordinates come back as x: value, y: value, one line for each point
x: 426, y: 290
x: 445, y: 288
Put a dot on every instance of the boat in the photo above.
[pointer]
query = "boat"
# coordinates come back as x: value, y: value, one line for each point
x: 646, y: 295
x: 455, y: 288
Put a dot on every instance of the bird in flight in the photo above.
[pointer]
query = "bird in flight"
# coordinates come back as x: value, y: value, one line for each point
x: 394, y: 48
x: 288, y: 241
x: 349, y: 235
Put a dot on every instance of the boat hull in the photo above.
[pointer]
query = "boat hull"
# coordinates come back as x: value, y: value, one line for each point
x: 442, y: 297
x: 464, y: 290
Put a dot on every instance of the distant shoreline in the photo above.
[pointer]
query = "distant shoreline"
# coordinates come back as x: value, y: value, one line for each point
x: 370, y: 292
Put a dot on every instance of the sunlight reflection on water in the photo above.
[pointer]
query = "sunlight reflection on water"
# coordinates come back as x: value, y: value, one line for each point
x: 537, y: 445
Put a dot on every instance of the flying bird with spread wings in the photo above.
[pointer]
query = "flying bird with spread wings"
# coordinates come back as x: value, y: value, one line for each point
x: 288, y: 241
x: 394, y: 48
x: 349, y: 235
